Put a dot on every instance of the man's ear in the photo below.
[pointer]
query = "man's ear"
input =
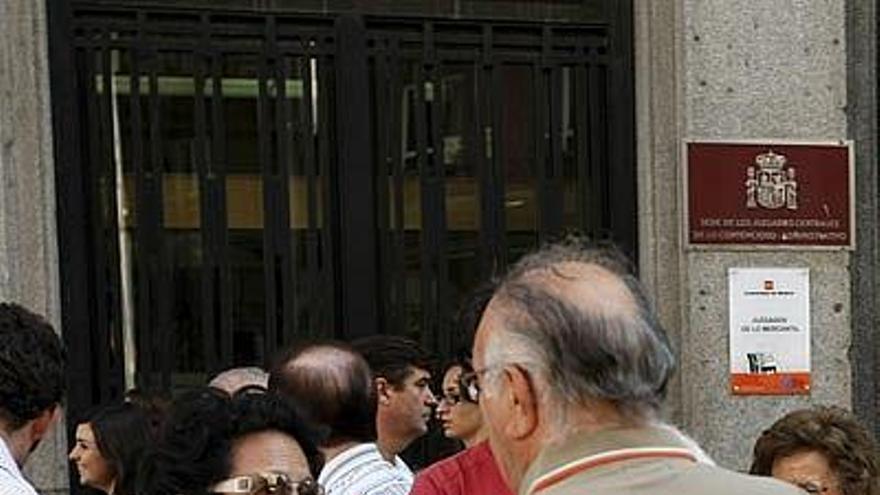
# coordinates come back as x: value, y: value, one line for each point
x: 521, y: 398
x: 383, y: 390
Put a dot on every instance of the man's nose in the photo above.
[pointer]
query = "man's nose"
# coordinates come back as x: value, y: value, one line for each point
x: 431, y: 399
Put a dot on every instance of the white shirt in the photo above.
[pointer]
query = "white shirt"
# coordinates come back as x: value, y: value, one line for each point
x: 12, y: 482
x: 404, y: 470
x: 361, y: 470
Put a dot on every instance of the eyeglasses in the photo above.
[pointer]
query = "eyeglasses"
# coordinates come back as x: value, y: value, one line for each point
x: 451, y: 399
x: 268, y: 483
x: 812, y: 487
x: 469, y: 383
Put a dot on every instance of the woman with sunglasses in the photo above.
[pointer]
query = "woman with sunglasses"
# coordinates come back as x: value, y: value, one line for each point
x: 472, y: 470
x: 457, y: 409
x: 249, y: 444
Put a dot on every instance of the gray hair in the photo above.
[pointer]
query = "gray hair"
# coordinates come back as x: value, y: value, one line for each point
x: 235, y: 379
x: 581, y: 347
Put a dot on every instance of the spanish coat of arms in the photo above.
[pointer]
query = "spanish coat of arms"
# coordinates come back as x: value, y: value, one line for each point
x: 771, y: 184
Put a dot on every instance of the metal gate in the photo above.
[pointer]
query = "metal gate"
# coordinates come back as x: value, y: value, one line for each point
x: 234, y: 179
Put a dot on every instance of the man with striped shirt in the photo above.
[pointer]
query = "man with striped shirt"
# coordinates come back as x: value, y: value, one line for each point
x: 31, y: 385
x: 332, y: 386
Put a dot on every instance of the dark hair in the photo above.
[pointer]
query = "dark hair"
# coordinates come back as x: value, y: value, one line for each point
x: 253, y: 413
x: 831, y: 431
x: 122, y: 433
x: 331, y: 385
x: 586, y: 351
x: 32, y: 365
x: 392, y: 357
x: 194, y: 451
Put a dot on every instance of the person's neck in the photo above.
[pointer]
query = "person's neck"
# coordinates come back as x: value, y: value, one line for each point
x: 477, y: 437
x: 390, y: 447
x: 18, y: 443
x: 337, y: 448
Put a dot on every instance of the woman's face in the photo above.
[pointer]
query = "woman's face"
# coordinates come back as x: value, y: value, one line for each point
x: 460, y: 419
x: 808, y: 469
x: 93, y: 468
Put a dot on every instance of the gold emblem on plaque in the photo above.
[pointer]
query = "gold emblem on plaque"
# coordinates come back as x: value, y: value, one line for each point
x: 772, y: 184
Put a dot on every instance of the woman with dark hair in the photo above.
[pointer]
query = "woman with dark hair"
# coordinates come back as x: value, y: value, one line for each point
x: 109, y: 445
x: 822, y: 450
x: 252, y: 444
x: 457, y: 409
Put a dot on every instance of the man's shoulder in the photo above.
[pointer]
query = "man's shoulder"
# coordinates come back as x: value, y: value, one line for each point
x: 362, y: 471
x: 13, y: 485
x: 723, y: 481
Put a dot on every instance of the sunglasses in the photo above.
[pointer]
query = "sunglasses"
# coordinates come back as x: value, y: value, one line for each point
x: 268, y: 483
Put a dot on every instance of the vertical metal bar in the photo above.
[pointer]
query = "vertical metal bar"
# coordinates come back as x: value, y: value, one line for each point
x: 268, y: 168
x: 396, y: 123
x: 482, y: 125
x: 327, y: 171
x: 161, y: 341
x: 554, y: 204
x: 540, y: 138
x: 499, y: 168
x: 582, y: 148
x: 137, y: 165
x: 357, y: 211
x: 93, y: 110
x: 440, y: 247
x: 428, y: 274
x: 200, y: 149
x: 380, y: 84
x: 623, y: 211
x: 284, y: 264
x: 217, y: 189
x: 596, y: 176
x: 312, y: 231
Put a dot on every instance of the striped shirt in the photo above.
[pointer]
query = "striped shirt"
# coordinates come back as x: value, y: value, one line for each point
x: 12, y: 482
x: 362, y: 470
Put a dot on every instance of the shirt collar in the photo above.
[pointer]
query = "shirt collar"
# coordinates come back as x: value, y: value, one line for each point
x: 605, y: 445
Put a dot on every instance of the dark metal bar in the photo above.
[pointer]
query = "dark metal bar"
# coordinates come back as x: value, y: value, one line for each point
x: 161, y: 287
x: 482, y: 148
x: 554, y: 204
x: 357, y: 249
x: 200, y: 149
x: 427, y: 256
x: 397, y: 165
x: 217, y: 192
x: 622, y: 211
x: 268, y: 169
x: 499, y: 169
x: 331, y: 276
x: 284, y: 257
x: 312, y: 233
x: 109, y: 232
x: 380, y: 84
x: 595, y: 193
x: 582, y: 148
x: 540, y: 143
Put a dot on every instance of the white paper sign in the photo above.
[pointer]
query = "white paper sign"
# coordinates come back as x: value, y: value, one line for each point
x: 769, y: 330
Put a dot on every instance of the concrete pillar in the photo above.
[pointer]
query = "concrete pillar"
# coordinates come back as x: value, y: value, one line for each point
x: 736, y: 69
x: 28, y: 244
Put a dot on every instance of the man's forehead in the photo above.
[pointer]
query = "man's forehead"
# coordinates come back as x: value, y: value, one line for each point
x: 415, y: 373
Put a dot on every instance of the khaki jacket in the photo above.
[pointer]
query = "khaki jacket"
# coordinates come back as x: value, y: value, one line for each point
x: 638, y: 461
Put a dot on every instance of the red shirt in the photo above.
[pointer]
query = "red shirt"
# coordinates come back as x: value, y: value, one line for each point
x: 471, y: 471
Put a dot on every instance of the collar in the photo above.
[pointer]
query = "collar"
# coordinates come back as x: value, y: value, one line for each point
x: 586, y: 451
x: 7, y: 462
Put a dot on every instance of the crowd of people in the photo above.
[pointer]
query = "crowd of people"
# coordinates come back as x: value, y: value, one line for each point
x: 560, y: 394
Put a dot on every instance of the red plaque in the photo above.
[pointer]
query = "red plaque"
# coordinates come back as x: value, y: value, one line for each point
x: 769, y: 194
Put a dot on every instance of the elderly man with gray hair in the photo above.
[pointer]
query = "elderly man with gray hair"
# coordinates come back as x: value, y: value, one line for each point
x: 572, y: 366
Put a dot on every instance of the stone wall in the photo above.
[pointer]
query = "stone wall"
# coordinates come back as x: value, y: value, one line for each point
x: 28, y: 245
x: 736, y: 69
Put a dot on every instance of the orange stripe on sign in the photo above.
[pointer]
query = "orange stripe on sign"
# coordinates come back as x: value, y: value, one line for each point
x: 561, y: 474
